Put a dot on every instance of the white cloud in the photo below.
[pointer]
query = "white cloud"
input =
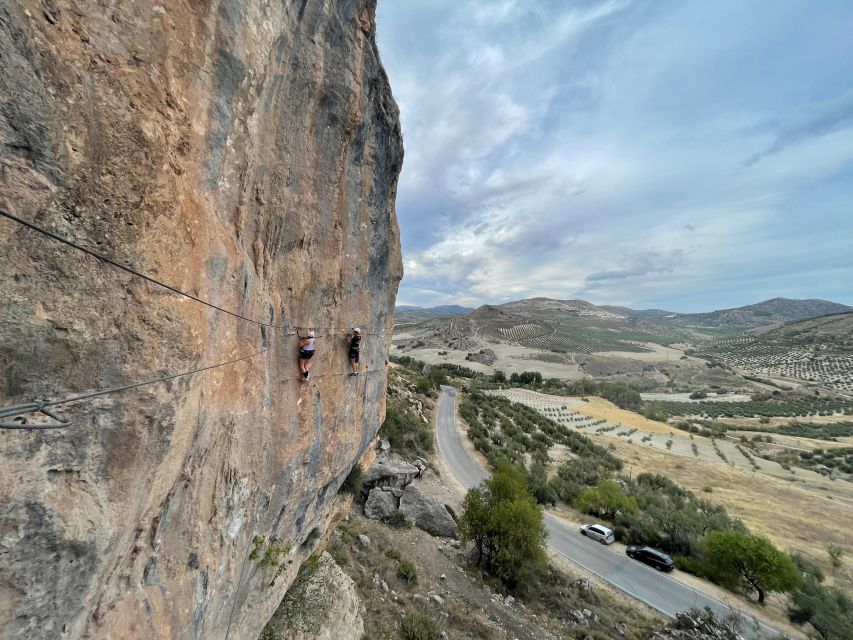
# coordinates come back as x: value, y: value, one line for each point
x: 602, y: 149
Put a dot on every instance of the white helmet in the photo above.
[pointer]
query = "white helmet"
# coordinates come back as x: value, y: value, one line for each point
x: 356, y: 330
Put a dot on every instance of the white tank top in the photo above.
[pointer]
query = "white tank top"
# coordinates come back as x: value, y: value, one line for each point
x: 309, y: 346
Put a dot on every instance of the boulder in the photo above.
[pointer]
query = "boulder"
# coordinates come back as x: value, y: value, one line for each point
x: 385, y: 472
x: 380, y: 504
x: 427, y: 513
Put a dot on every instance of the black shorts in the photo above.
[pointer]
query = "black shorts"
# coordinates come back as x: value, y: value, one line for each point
x: 353, y: 354
x: 305, y: 355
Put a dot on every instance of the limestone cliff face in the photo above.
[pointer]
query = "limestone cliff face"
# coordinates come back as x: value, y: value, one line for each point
x: 243, y: 151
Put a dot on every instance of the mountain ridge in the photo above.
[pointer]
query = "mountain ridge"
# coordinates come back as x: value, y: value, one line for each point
x: 774, y: 311
x: 412, y: 313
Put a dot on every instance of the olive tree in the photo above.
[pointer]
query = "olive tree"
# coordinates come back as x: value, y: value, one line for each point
x: 505, y: 524
x: 754, y: 559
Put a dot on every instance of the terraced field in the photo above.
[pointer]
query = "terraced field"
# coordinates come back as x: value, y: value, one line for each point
x: 521, y: 332
x: 819, y: 359
x: 723, y: 444
x: 722, y: 449
x: 558, y: 409
x: 785, y: 408
x: 570, y: 339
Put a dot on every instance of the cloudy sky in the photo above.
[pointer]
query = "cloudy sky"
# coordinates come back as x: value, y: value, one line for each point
x: 681, y: 154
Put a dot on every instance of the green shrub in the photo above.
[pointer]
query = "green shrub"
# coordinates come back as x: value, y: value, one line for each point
x: 393, y: 554
x: 397, y: 519
x: 407, y: 572
x: 339, y: 553
x: 417, y: 626
x: 606, y: 500
x: 835, y: 556
x: 827, y: 609
x: 269, y: 633
x: 654, y: 411
x: 807, y: 567
x: 423, y: 386
x: 438, y: 377
x: 526, y: 377
x: 407, y: 434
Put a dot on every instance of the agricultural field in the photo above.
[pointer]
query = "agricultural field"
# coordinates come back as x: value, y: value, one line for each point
x: 830, y: 431
x: 570, y: 339
x: 501, y: 429
x: 521, y: 332
x: 750, y: 447
x: 818, y: 351
x: 794, y: 509
x: 831, y: 462
x: 792, y: 407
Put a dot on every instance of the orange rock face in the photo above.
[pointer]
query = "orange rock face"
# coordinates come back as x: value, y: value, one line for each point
x: 246, y: 153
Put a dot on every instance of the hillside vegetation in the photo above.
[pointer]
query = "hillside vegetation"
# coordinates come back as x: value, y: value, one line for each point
x: 650, y: 509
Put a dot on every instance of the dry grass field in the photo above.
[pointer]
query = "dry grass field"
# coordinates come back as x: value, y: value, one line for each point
x: 605, y: 410
x: 799, y: 516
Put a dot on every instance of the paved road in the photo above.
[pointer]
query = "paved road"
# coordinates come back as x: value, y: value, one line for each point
x: 656, y: 589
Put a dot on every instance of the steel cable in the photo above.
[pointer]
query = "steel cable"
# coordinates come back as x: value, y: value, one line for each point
x: 41, y: 406
x: 50, y: 234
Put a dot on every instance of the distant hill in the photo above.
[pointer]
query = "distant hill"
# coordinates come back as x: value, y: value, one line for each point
x: 563, y: 326
x: 577, y: 326
x: 550, y: 306
x: 770, y: 312
x: 836, y: 328
x: 408, y: 313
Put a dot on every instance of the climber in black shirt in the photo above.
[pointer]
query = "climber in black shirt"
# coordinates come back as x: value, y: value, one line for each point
x: 354, y: 342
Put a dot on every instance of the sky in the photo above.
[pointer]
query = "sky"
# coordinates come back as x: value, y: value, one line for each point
x: 678, y: 154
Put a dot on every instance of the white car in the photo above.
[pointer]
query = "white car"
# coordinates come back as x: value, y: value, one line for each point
x: 598, y: 532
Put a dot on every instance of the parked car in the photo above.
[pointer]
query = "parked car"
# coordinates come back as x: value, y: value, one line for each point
x: 598, y: 532
x: 652, y: 557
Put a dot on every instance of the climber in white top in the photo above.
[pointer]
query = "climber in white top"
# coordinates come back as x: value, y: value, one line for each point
x: 306, y: 352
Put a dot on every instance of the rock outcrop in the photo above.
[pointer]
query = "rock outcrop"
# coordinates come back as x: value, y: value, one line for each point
x: 245, y: 153
x: 388, y: 472
x: 322, y: 604
x: 388, y: 489
x: 381, y: 503
x: 700, y: 625
x: 427, y: 513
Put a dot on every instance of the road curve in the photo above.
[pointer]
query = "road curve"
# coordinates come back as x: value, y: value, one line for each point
x: 651, y: 587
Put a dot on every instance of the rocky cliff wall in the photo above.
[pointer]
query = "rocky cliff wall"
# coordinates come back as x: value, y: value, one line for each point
x: 245, y: 152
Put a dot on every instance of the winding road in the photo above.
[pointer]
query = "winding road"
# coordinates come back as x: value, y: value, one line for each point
x: 658, y: 590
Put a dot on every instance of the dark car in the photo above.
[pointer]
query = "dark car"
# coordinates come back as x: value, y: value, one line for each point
x: 652, y: 557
